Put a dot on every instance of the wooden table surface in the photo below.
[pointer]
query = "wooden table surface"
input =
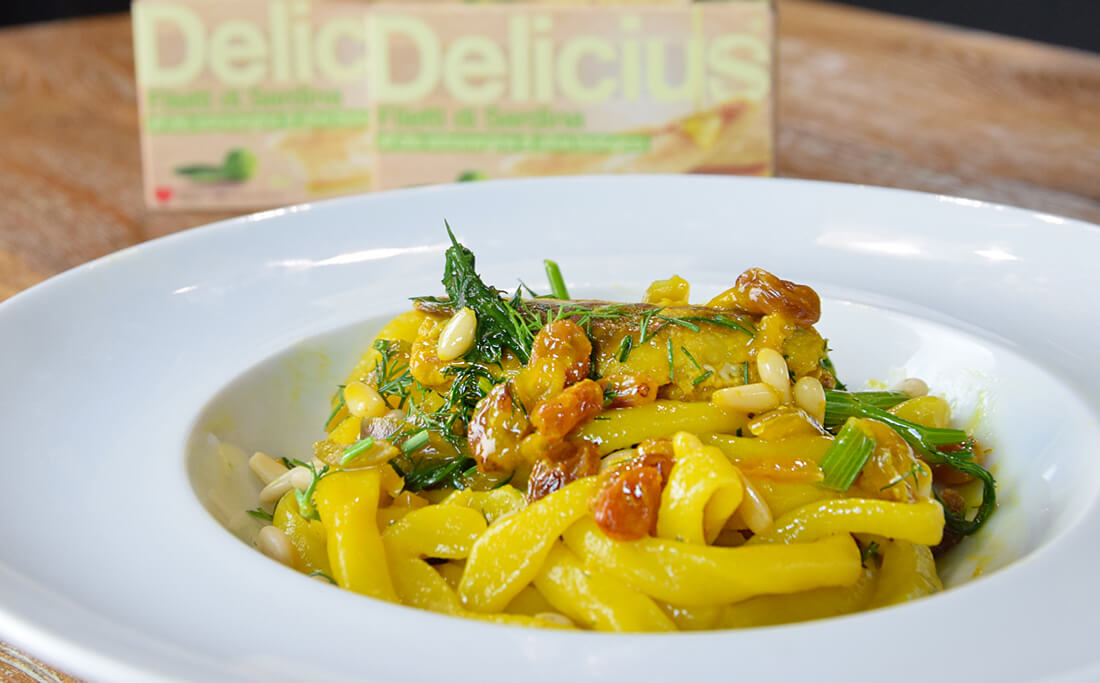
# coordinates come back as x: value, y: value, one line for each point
x: 864, y: 98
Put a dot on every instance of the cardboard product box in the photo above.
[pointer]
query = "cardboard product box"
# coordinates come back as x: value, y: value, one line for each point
x: 256, y: 103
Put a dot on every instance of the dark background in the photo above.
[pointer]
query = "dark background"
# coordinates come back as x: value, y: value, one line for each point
x: 1074, y: 23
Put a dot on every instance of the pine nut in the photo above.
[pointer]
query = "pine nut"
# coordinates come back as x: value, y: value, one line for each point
x: 457, y: 336
x: 364, y: 400
x: 297, y: 478
x: 913, y: 386
x: 809, y: 395
x: 265, y: 467
x: 754, y: 511
x: 274, y: 543
x: 773, y: 372
x: 747, y: 398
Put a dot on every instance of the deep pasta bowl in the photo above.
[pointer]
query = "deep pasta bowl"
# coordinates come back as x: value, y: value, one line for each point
x: 127, y: 379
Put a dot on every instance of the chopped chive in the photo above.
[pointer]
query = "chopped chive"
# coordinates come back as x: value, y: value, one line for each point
x: 883, y: 400
x: 846, y: 456
x: 355, y: 449
x: 260, y: 513
x: 691, y: 358
x: 557, y: 282
x: 415, y: 442
x: 682, y: 322
x: 701, y: 378
x: 723, y: 321
x: 745, y: 372
x: 671, y: 366
x: 625, y: 347
x: 840, y: 405
x: 336, y: 410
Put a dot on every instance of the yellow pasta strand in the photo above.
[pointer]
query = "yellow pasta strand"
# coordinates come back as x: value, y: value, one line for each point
x: 530, y: 602
x: 595, y: 600
x: 451, y: 572
x: 347, y: 503
x: 346, y: 431
x: 748, y: 450
x: 818, y: 603
x: 782, y: 497
x: 702, y: 492
x: 445, y: 531
x: 306, y: 535
x: 696, y: 575
x: 420, y: 585
x: 908, y: 572
x: 692, y: 618
x: 624, y: 427
x: 516, y: 620
x: 510, y: 553
x: 493, y: 504
x: 920, y: 522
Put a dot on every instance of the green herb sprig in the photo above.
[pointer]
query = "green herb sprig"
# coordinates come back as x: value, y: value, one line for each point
x: 927, y: 442
x: 261, y: 514
x: 340, y: 403
x: 391, y: 376
x: 501, y: 324
x: 305, y: 498
x: 429, y: 473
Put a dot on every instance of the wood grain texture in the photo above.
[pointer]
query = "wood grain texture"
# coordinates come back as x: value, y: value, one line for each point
x: 864, y: 98
x: 870, y: 98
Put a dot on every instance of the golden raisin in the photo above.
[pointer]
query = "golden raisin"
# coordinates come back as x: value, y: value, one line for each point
x: 626, y: 506
x: 758, y: 291
x: 631, y: 389
x: 496, y: 429
x: 563, y: 346
x: 566, y: 462
x: 656, y: 453
x: 576, y: 405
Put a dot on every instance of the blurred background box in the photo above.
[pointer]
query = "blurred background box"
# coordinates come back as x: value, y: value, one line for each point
x: 255, y: 103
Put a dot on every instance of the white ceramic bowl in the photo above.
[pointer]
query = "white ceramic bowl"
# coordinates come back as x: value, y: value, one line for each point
x: 120, y: 376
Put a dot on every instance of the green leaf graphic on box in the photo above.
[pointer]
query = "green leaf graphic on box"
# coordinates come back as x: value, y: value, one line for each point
x: 471, y: 175
x: 203, y: 173
x: 239, y: 165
